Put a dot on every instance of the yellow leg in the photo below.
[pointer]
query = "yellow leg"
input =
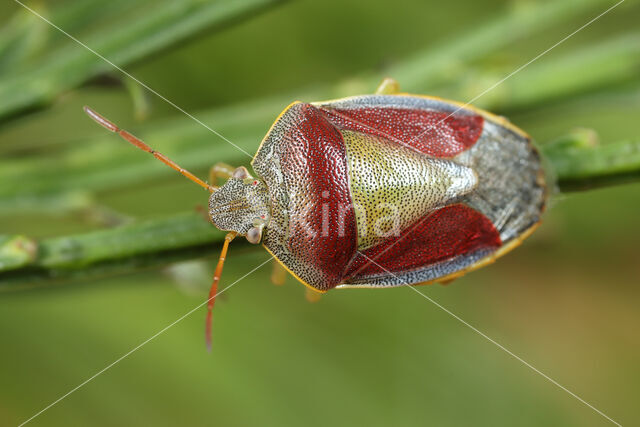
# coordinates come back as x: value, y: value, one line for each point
x: 312, y: 296
x: 388, y: 86
x: 278, y: 274
x: 447, y: 281
x: 220, y: 171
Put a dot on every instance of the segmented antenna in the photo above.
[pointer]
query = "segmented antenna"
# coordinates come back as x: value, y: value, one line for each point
x: 141, y: 145
x: 214, y: 286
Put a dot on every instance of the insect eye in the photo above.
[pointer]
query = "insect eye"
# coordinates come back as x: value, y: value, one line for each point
x: 263, y: 216
x: 254, y: 183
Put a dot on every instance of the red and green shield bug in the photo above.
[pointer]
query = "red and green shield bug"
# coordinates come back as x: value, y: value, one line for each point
x: 381, y: 190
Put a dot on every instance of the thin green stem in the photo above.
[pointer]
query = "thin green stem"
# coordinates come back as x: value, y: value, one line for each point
x: 25, y: 263
x: 100, y: 164
x: 577, y: 161
x: 127, y: 37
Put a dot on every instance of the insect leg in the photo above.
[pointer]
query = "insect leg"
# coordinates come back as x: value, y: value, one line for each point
x: 311, y: 295
x: 220, y: 170
x: 388, y: 86
x: 278, y: 274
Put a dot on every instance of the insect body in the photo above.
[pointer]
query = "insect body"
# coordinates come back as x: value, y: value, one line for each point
x: 380, y: 190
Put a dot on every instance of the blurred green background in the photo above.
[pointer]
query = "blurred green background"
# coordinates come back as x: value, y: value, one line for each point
x: 566, y: 301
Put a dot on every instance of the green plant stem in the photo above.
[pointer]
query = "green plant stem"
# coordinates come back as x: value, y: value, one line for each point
x: 453, y: 54
x: 580, y: 163
x: 104, y: 252
x: 102, y: 163
x: 157, y: 26
x: 161, y: 24
x: 576, y: 160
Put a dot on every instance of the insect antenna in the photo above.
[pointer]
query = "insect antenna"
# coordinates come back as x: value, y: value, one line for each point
x: 214, y: 286
x: 141, y: 145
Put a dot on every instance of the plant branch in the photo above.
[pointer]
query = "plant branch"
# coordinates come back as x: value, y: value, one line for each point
x: 126, y: 38
x: 100, y: 164
x: 577, y: 161
x: 25, y: 263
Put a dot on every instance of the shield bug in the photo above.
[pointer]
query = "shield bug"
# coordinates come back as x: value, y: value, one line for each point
x: 376, y: 191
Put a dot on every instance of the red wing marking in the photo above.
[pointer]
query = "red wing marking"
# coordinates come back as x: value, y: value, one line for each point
x: 448, y: 232
x: 322, y: 225
x: 438, y: 134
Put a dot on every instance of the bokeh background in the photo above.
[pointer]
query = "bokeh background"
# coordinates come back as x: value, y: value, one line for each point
x: 566, y: 301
